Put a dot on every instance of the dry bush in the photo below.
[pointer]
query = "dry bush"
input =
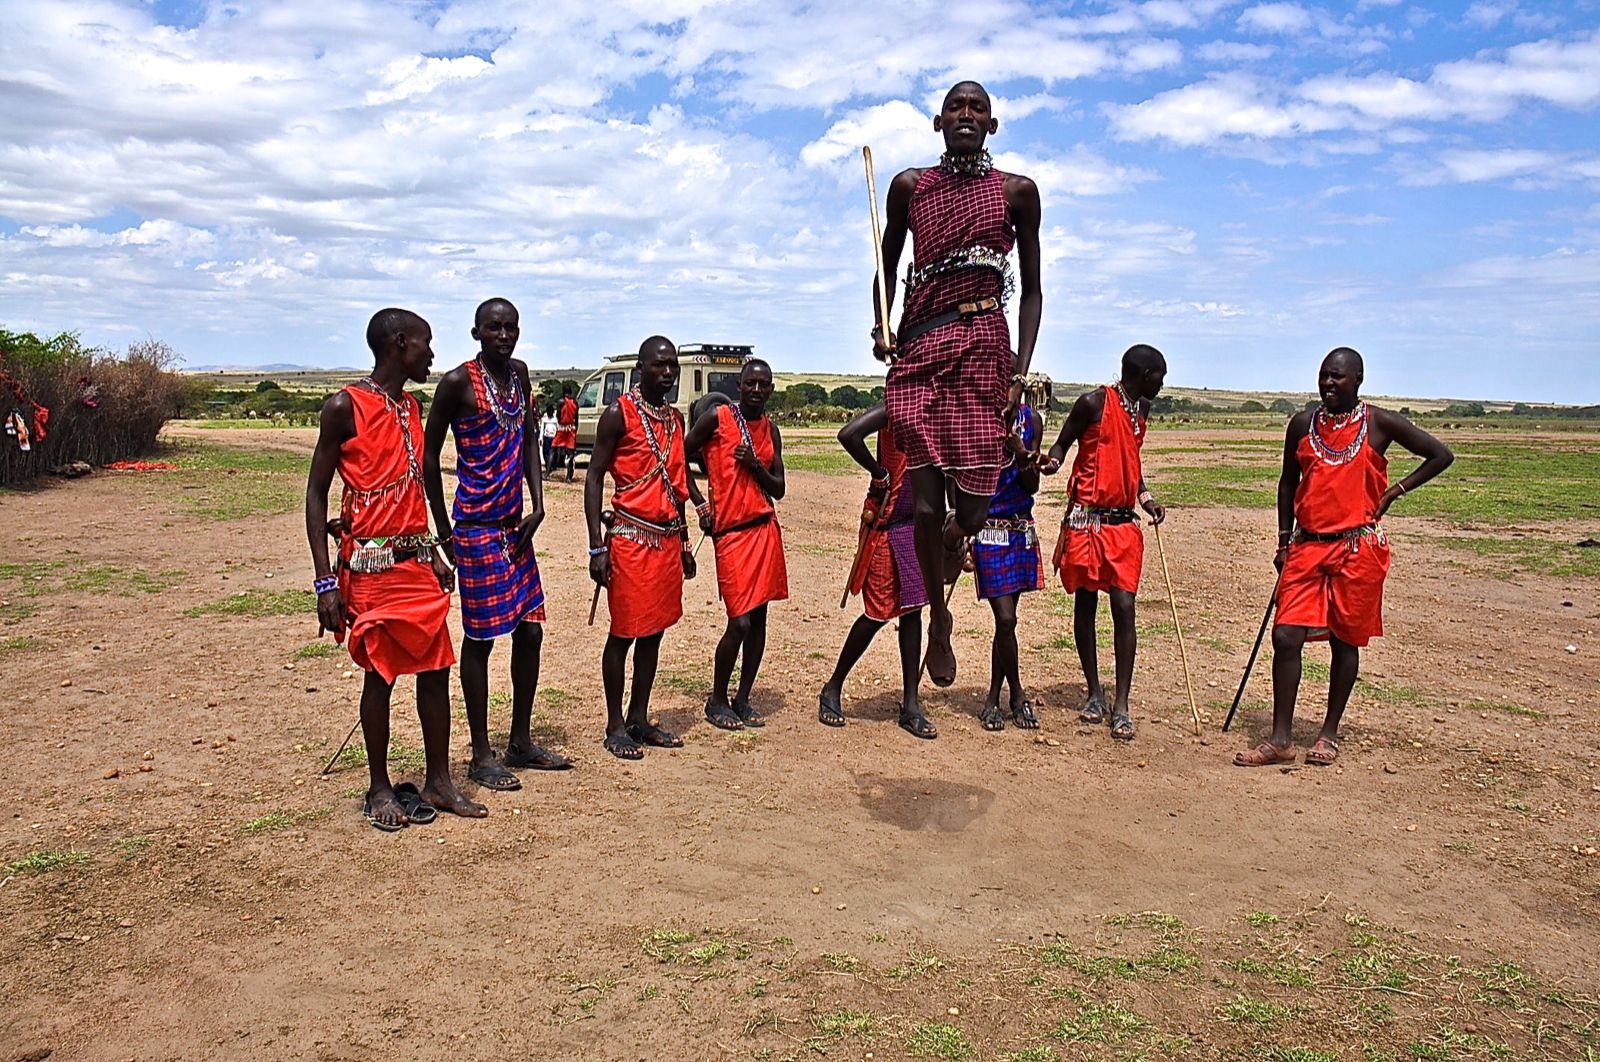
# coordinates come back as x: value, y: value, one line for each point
x: 134, y: 394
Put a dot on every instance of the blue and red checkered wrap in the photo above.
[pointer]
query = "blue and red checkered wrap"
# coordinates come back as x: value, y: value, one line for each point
x: 498, y: 590
x: 1016, y: 566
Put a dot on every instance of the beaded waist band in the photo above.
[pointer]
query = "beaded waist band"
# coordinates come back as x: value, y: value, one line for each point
x: 1351, y: 538
x: 645, y: 532
x: 1088, y: 518
x: 372, y: 555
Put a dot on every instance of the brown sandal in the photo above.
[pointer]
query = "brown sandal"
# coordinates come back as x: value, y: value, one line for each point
x: 1265, y: 754
x: 1323, y: 752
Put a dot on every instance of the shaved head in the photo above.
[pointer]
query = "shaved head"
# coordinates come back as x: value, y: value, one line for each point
x: 487, y: 304
x: 386, y: 324
x: 654, y: 347
x: 1350, y: 359
x: 959, y: 85
x: 753, y: 364
x: 1142, y: 358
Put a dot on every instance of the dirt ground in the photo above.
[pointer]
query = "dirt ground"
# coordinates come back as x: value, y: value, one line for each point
x: 220, y: 899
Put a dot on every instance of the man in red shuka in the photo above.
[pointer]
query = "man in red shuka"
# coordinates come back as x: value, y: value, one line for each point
x: 392, y: 590
x: 742, y: 453
x: 947, y: 387
x: 564, y: 447
x: 1332, y: 553
x: 1101, y: 547
x: 642, y: 557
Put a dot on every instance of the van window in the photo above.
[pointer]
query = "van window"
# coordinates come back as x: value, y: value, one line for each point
x: 613, y: 387
x: 726, y: 382
x: 589, y: 397
x: 699, y: 382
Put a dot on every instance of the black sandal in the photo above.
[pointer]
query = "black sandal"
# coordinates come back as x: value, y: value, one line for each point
x: 747, y: 714
x: 917, y: 725
x: 1093, y: 711
x: 654, y: 736
x: 722, y: 716
x: 991, y: 718
x: 1121, y: 725
x: 494, y: 776
x: 1022, y: 716
x: 829, y: 711
x: 623, y: 747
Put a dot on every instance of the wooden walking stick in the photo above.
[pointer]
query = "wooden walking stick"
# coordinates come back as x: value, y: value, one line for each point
x: 877, y: 253
x: 606, y: 519
x: 1183, y: 653
x: 1251, y: 663
x: 347, y: 738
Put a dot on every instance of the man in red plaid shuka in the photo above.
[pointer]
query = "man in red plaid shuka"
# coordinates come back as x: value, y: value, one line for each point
x: 947, y: 387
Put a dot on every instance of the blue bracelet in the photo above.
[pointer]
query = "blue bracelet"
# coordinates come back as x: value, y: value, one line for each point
x: 597, y: 550
x: 325, y: 583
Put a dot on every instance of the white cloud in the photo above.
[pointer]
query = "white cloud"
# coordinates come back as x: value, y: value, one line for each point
x: 1279, y: 18
x: 1235, y: 52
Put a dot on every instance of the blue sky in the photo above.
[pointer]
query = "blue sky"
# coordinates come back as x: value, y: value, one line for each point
x: 1243, y: 184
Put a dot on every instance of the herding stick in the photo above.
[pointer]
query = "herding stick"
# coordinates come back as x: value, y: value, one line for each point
x: 1251, y: 663
x: 1183, y: 653
x: 594, y: 603
x: 347, y: 738
x: 877, y: 252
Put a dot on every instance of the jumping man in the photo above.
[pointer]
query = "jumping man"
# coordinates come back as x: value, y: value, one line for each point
x: 643, y: 556
x: 1101, y: 547
x: 486, y: 404
x: 1332, y: 553
x: 887, y: 577
x: 947, y: 387
x: 1006, y: 565
x: 391, y: 593
x: 742, y: 453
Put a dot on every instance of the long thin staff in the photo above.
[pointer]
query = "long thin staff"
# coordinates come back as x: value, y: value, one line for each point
x: 1251, y: 663
x: 594, y: 603
x: 347, y: 738
x: 1183, y: 653
x: 877, y: 249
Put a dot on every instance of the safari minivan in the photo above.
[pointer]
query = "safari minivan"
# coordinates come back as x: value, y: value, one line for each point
x: 706, y: 368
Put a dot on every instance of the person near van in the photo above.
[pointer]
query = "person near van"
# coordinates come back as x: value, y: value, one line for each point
x: 547, y: 435
x: 484, y: 403
x: 742, y: 454
x: 564, y: 447
x: 639, y: 548
x: 947, y: 385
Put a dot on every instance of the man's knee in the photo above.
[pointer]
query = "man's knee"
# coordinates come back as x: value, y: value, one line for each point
x: 1287, y: 638
x: 739, y: 626
x: 528, y: 635
x: 1122, y: 607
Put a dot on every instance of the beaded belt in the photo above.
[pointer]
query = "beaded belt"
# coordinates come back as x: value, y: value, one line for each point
x: 997, y: 532
x: 380, y: 554
x: 646, y: 533
x: 1087, y: 518
x: 1351, y: 538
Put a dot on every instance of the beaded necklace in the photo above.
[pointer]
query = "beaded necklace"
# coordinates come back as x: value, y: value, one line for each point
x: 744, y: 437
x: 509, y: 419
x: 1322, y: 420
x: 967, y: 165
x: 658, y: 448
x: 1128, y: 407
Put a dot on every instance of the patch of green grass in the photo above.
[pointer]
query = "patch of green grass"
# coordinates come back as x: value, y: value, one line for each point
x: 402, y: 757
x: 1277, y: 1053
x: 1506, y: 483
x: 259, y: 602
x: 665, y: 945
x: 48, y: 859
x: 315, y: 651
x: 1246, y: 1011
x: 1279, y: 973
x: 1159, y: 921
x: 707, y: 953
x: 216, y: 457
x: 1507, y: 978
x: 1540, y: 556
x: 274, y: 821
x: 1505, y: 707
x: 132, y: 846
x: 1448, y: 1045
x: 1373, y: 970
x: 684, y: 682
x: 20, y: 643
x: 841, y: 961
x: 1095, y: 967
x: 1261, y: 919
x: 1169, y: 958
x: 1040, y: 1053
x: 861, y: 1024
x: 834, y: 462
x: 1099, y: 1023
x: 556, y: 697
x: 937, y: 1040
x: 927, y: 962
x: 123, y: 582
x: 17, y: 611
x: 1252, y: 486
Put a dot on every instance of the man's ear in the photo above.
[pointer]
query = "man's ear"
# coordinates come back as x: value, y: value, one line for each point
x: 994, y: 126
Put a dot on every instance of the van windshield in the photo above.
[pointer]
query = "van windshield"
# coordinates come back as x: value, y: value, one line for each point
x: 589, y: 397
x: 725, y: 382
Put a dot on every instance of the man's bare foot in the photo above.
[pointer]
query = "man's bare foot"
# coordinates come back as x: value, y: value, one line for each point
x: 446, y: 797
x: 1265, y: 754
x: 383, y: 811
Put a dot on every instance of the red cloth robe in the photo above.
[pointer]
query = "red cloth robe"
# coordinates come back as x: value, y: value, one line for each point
x: 1105, y: 475
x: 645, y: 592
x: 401, y: 624
x: 1337, y: 587
x: 890, y: 582
x: 744, y: 529
x: 566, y: 436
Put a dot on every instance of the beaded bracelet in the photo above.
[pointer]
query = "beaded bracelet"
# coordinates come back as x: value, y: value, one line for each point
x: 704, y: 509
x: 595, y: 551
x: 322, y: 584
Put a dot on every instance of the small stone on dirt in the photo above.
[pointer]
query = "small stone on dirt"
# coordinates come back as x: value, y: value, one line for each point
x: 127, y: 923
x: 111, y: 772
x: 1390, y: 768
x: 145, y: 767
x: 816, y: 890
x: 65, y: 683
x: 149, y: 755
